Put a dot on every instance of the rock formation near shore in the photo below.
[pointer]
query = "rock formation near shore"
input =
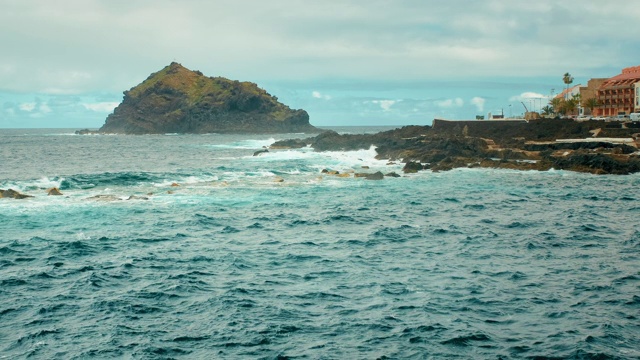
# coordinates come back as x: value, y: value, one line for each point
x: 178, y: 100
x: 509, y: 145
x: 13, y: 194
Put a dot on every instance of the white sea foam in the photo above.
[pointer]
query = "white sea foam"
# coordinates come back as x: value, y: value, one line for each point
x: 30, y: 185
x: 260, y: 173
x: 344, y: 160
x: 246, y: 144
x: 356, y: 157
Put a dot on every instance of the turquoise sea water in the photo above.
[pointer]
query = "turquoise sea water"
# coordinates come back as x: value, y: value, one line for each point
x: 264, y: 257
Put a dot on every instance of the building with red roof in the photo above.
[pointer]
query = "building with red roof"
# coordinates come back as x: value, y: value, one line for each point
x: 619, y: 94
x: 569, y: 92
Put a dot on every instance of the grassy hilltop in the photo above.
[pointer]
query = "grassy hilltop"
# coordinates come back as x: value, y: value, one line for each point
x: 178, y: 100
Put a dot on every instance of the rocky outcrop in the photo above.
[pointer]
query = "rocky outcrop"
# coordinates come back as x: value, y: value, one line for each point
x: 86, y: 132
x: 54, y: 191
x: 178, y: 100
x: 12, y: 194
x: 110, y: 197
x: 598, y: 163
x: 510, y: 145
x: 412, y: 167
x: 378, y: 175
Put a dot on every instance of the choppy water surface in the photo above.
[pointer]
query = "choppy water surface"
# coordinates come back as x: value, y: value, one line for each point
x: 235, y: 263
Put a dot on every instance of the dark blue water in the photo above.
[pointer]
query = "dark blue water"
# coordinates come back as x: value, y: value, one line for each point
x: 264, y: 257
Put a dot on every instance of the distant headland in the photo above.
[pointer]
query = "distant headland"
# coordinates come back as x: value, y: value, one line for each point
x: 178, y: 100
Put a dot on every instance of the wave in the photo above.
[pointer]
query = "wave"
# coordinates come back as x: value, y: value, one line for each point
x: 108, y: 179
x: 88, y: 181
x: 33, y: 184
x: 246, y: 144
x: 309, y: 160
x: 467, y: 339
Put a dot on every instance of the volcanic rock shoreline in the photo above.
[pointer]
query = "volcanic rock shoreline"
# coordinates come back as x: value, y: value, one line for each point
x: 591, y: 147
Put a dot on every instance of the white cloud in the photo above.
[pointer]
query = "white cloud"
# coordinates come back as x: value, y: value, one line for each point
x: 29, y: 107
x: 478, y: 102
x: 385, y: 104
x: 306, y: 40
x: 44, y: 108
x: 101, y: 106
x: 450, y: 103
x: 318, y: 95
x: 528, y: 96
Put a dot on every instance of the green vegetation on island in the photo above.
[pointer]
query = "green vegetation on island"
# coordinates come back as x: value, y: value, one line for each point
x: 178, y: 100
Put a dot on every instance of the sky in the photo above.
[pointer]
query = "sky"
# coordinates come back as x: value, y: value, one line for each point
x: 65, y: 63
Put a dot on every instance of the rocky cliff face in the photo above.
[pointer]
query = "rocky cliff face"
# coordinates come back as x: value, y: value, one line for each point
x: 178, y: 100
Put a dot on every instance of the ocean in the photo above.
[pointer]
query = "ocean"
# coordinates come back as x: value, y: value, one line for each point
x: 189, y: 247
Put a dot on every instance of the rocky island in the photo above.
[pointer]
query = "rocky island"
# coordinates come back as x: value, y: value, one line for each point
x: 178, y: 100
x: 594, y: 147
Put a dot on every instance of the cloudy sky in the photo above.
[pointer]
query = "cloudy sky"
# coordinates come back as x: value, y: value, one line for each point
x: 66, y: 63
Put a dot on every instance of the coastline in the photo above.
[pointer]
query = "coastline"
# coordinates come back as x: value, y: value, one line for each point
x: 543, y: 144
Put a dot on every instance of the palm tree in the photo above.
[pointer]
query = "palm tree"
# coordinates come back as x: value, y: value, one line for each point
x: 577, y: 97
x: 567, y: 79
x: 591, y: 103
x: 547, y: 110
x: 556, y: 104
x: 570, y: 106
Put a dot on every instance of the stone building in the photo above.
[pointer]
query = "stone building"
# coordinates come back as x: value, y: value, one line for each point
x: 590, y: 92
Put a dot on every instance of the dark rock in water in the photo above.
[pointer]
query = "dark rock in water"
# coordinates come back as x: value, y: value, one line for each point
x: 135, y: 197
x: 290, y: 144
x: 452, y: 162
x: 585, y: 161
x: 54, y: 191
x: 12, y: 194
x: 412, y: 167
x: 375, y: 176
x: 260, y: 152
x: 392, y: 174
x: 332, y: 141
x: 178, y: 100
x: 104, y: 198
x: 86, y: 132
